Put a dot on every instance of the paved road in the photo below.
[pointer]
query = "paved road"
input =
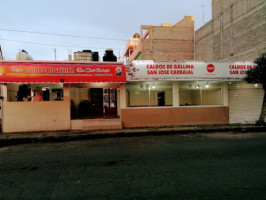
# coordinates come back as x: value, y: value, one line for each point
x: 203, y: 166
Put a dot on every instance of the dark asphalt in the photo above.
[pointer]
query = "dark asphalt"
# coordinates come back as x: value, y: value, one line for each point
x: 192, y: 166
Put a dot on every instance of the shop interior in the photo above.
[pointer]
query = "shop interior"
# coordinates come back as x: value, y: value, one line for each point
x: 200, y: 93
x: 149, y: 94
x: 27, y: 92
x: 93, y: 102
x: 191, y: 93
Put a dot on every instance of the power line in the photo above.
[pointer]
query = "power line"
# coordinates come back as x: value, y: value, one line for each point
x: 57, y: 45
x: 76, y: 36
x: 190, y: 46
x: 170, y: 50
x: 63, y: 35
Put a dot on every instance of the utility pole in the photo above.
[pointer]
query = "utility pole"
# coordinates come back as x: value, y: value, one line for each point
x: 119, y: 57
x: 20, y: 50
x: 55, y: 54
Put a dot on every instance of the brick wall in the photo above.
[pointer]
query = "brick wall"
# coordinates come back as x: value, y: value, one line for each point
x: 168, y: 43
x: 237, y: 30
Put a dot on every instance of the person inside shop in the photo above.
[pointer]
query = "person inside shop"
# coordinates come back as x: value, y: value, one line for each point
x: 37, y: 97
x: 28, y: 98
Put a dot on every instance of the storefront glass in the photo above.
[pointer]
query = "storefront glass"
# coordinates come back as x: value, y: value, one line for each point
x: 191, y: 93
x: 199, y: 93
x: 148, y: 94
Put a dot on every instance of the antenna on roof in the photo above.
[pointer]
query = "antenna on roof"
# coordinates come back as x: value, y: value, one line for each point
x: 203, y: 14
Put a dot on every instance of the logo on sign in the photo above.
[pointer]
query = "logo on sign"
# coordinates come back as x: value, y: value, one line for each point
x: 80, y: 70
x: 210, y: 68
x: 118, y: 71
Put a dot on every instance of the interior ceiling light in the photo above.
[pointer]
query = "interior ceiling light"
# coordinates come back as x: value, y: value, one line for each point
x: 207, y: 86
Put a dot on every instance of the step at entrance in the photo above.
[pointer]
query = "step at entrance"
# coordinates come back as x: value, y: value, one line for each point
x: 101, y: 124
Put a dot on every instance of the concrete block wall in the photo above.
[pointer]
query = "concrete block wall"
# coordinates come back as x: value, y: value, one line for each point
x: 204, y: 41
x: 237, y: 30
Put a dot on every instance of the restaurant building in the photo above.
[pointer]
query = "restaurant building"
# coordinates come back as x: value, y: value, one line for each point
x: 189, y: 93
x: 234, y: 35
x: 73, y: 95
x: 99, y: 95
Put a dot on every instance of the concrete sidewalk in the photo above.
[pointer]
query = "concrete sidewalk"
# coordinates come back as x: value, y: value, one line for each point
x: 7, y: 139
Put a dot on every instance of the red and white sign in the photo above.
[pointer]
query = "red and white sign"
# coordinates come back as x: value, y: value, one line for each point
x: 64, y: 73
x: 148, y: 70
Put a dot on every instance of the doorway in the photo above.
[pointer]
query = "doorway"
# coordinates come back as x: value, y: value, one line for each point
x: 110, y: 102
x: 161, y: 99
x: 96, y: 102
x: 91, y: 103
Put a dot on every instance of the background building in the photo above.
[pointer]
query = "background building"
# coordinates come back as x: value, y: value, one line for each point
x: 165, y: 42
x: 236, y: 32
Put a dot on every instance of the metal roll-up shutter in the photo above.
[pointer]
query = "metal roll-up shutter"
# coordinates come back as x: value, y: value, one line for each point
x: 245, y: 105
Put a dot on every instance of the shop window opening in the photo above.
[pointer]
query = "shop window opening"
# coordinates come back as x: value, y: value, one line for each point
x: 149, y: 94
x: 90, y: 103
x: 200, y: 93
x: 34, y: 92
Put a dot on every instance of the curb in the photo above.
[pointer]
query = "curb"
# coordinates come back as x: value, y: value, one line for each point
x: 60, y: 136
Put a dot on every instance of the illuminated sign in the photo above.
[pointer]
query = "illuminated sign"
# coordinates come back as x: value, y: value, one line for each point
x: 55, y: 73
x: 149, y: 70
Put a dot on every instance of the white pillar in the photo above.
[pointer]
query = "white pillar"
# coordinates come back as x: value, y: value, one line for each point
x: 66, y: 88
x: 123, y: 96
x: 225, y: 93
x: 67, y: 104
x: 175, y: 94
x: 4, y: 92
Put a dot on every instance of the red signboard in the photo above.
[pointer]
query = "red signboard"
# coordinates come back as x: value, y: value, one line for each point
x: 64, y: 73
